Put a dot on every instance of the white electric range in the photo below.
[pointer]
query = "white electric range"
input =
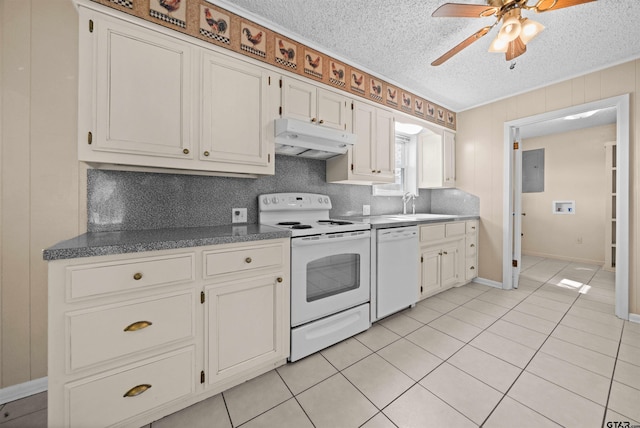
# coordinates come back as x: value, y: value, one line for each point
x: 330, y: 277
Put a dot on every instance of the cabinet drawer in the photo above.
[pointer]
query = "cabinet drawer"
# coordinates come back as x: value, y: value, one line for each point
x: 127, y: 275
x: 101, y: 401
x: 471, y: 268
x: 103, y: 333
x: 454, y: 229
x: 244, y: 259
x: 472, y: 226
x: 434, y: 232
x: 471, y: 246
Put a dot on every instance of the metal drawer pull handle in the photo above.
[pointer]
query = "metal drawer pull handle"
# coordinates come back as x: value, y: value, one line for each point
x: 321, y: 121
x: 137, y: 390
x: 472, y: 268
x: 248, y: 260
x: 206, y: 153
x: 185, y: 151
x: 280, y: 279
x: 138, y: 325
x: 473, y: 227
x: 313, y: 120
x: 137, y: 276
x: 472, y: 245
x: 444, y: 252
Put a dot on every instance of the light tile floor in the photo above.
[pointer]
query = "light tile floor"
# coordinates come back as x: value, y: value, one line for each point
x: 549, y: 353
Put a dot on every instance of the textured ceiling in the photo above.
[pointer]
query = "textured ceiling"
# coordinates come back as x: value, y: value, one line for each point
x: 397, y: 40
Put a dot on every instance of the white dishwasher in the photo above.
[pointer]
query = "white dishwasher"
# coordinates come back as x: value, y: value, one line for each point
x: 397, y: 269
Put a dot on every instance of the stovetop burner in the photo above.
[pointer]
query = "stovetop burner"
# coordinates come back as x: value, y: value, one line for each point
x: 303, y: 215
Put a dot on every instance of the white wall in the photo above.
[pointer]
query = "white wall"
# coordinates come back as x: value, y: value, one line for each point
x: 479, y: 156
x: 574, y: 170
x: 39, y: 172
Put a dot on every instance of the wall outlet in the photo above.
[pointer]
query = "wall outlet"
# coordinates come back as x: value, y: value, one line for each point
x: 238, y: 215
x: 366, y: 210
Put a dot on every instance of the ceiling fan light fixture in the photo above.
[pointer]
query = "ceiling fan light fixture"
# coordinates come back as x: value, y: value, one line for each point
x: 511, y: 28
x: 530, y: 29
x: 498, y: 45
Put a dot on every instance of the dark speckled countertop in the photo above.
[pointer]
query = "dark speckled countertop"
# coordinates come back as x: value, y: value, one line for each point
x: 400, y: 220
x: 133, y: 241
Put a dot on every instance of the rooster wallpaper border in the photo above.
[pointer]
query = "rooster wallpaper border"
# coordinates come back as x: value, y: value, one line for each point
x: 255, y: 41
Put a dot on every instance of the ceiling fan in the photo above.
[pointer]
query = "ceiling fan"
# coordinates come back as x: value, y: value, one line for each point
x: 516, y: 30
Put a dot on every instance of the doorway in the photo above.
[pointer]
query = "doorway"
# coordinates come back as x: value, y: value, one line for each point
x: 512, y: 208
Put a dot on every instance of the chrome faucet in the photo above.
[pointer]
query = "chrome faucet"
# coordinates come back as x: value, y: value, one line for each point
x: 405, y: 198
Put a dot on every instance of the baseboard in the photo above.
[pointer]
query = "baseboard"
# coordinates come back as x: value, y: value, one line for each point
x: 563, y: 258
x: 21, y: 390
x: 634, y: 318
x: 490, y: 283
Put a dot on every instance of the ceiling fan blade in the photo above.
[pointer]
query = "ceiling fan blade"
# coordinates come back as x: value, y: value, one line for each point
x: 515, y: 49
x: 459, y: 10
x: 545, y: 5
x: 466, y: 42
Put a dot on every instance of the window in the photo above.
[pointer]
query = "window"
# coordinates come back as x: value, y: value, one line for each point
x: 405, y: 168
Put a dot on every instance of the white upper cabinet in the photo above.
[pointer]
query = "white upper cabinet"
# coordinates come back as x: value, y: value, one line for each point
x: 372, y: 159
x: 143, y: 92
x: 307, y: 102
x: 385, y: 145
x: 449, y: 160
x: 151, y: 99
x: 365, y: 149
x: 235, y: 119
x: 436, y: 159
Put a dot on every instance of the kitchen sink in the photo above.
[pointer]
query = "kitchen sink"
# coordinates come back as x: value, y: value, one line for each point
x: 417, y: 217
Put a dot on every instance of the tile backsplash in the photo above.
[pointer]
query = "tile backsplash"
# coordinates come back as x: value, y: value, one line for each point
x: 119, y: 200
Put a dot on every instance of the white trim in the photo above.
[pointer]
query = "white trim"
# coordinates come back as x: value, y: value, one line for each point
x: 507, y: 203
x: 21, y: 390
x: 634, y: 318
x: 489, y: 282
x: 621, y: 103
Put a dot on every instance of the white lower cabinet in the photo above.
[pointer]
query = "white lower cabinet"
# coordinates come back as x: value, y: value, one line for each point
x: 246, y: 324
x: 445, y: 259
x: 113, y: 397
x: 128, y: 346
x: 471, y: 249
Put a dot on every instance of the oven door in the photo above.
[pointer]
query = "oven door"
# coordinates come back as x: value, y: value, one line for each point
x: 329, y: 273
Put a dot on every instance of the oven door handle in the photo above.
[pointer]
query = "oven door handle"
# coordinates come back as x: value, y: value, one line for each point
x: 329, y: 238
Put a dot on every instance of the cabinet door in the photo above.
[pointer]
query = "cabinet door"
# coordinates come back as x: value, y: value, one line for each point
x: 430, y: 164
x: 299, y: 100
x: 449, y: 159
x: 334, y: 110
x: 143, y: 92
x: 450, y: 265
x: 245, y: 325
x: 430, y: 271
x: 385, y: 146
x: 235, y: 112
x: 363, y: 151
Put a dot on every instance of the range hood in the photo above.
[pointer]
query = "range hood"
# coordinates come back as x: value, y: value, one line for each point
x: 299, y: 138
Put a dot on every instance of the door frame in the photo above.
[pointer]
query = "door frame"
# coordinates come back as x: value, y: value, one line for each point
x: 512, y: 208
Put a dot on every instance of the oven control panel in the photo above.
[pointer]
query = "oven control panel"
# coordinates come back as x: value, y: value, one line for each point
x: 293, y: 201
